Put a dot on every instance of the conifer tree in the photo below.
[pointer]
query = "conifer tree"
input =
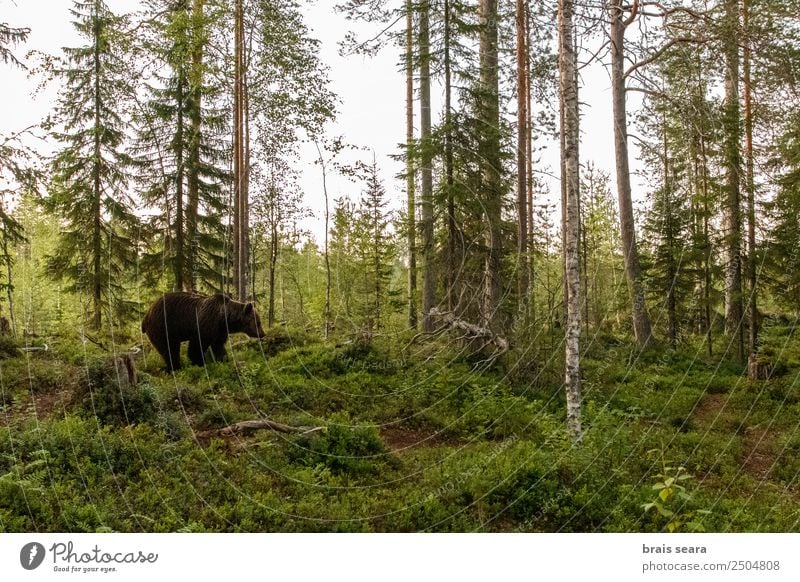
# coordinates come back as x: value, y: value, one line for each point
x: 88, y: 187
x: 375, y: 252
x: 179, y: 149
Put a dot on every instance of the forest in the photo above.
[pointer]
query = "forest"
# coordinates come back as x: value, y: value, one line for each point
x: 504, y: 336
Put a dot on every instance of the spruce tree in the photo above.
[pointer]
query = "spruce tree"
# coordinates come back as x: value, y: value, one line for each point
x: 180, y: 149
x: 375, y: 253
x: 89, y: 181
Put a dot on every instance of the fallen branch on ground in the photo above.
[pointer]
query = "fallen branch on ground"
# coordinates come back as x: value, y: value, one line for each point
x: 250, y: 426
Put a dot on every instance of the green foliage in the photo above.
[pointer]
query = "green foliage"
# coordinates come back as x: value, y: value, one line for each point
x: 106, y: 393
x: 673, y: 500
x: 344, y: 447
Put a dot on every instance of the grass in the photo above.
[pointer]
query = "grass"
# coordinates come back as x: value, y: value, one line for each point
x: 409, y: 445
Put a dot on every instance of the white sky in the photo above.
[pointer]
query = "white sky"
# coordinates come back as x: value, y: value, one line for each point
x: 372, y: 94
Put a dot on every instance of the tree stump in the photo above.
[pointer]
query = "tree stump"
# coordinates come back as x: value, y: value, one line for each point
x: 758, y: 368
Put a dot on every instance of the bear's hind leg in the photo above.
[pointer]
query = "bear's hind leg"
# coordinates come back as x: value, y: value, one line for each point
x: 218, y: 350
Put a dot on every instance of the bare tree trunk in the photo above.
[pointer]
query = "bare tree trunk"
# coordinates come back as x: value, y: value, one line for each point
x: 426, y: 168
x: 410, y: 186
x: 97, y: 192
x: 672, y: 316
x: 707, y: 245
x: 569, y: 104
x: 489, y: 150
x: 522, y: 148
x: 241, y: 170
x: 641, y: 318
x: 732, y: 215
x: 452, y: 261
x: 273, y: 261
x: 193, y: 169
x: 529, y: 157
x: 179, y: 265
x: 327, y: 309
x: 9, y: 288
x: 751, y: 192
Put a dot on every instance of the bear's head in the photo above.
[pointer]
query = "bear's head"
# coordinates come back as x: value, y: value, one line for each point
x: 251, y: 322
x: 242, y: 317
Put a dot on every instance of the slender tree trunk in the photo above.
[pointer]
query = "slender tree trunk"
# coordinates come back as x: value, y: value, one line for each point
x: 241, y: 169
x: 706, y: 241
x: 426, y: 169
x: 179, y: 265
x: 273, y: 262
x: 641, y: 318
x: 732, y: 215
x: 327, y: 309
x: 522, y: 148
x: 193, y: 170
x: 489, y: 150
x: 97, y: 234
x: 569, y: 104
x: 452, y: 233
x: 529, y: 156
x: 411, y: 234
x: 9, y: 288
x: 237, y: 149
x: 751, y: 190
x: 672, y: 316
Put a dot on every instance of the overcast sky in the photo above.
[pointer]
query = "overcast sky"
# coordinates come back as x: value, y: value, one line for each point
x: 372, y: 94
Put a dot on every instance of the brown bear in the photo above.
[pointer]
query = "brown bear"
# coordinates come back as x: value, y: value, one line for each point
x: 205, y: 322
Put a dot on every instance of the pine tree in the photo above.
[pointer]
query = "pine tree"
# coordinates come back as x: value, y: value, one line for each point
x: 88, y: 188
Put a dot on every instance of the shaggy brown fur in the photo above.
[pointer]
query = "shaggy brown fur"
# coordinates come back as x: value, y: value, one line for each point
x: 205, y: 322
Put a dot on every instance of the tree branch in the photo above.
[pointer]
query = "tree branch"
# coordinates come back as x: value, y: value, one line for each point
x: 664, y: 48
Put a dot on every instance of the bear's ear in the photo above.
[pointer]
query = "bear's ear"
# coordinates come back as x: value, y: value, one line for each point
x: 248, y: 309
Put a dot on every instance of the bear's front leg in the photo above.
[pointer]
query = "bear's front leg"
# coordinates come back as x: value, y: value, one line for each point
x: 171, y: 352
x: 196, y: 352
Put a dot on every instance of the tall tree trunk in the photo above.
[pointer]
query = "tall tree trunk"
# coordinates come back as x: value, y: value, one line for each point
x: 97, y: 234
x: 426, y: 168
x: 522, y: 148
x: 193, y: 169
x: 529, y: 156
x: 9, y: 288
x: 569, y: 105
x: 241, y: 170
x: 489, y: 150
x: 452, y: 259
x: 732, y: 215
x: 706, y: 241
x: 179, y: 262
x: 327, y: 310
x: 672, y: 316
x: 411, y: 234
x: 751, y: 190
x: 642, y: 328
x: 273, y: 262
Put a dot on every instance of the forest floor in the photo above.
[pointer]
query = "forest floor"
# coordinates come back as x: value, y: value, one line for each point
x: 412, y: 441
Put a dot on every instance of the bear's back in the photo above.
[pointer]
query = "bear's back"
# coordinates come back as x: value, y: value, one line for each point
x: 176, y: 311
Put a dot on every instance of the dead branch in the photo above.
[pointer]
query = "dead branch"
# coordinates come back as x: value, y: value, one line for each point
x: 472, y: 331
x: 247, y: 427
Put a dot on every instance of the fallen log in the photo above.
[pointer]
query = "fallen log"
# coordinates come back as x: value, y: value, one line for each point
x: 469, y: 332
x: 247, y: 427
